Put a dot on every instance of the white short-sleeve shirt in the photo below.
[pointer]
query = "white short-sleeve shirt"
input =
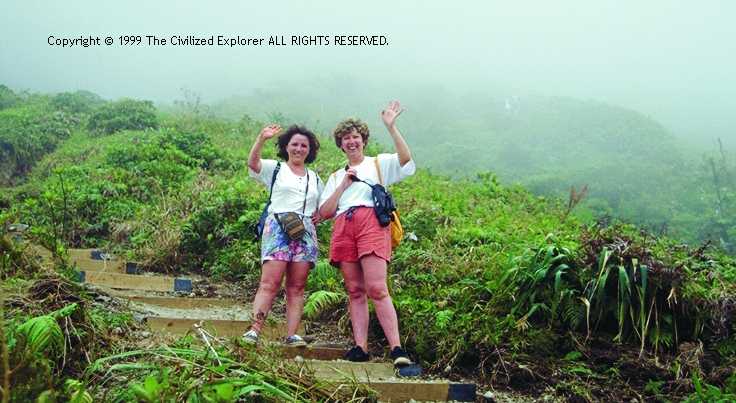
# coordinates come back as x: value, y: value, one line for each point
x: 289, y: 188
x: 359, y: 194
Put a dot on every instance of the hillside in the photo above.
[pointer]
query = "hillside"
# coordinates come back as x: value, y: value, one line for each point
x: 635, y: 170
x: 493, y: 282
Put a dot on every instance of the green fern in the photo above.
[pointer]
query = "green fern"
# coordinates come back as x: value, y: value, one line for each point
x: 42, y: 334
x: 319, y: 301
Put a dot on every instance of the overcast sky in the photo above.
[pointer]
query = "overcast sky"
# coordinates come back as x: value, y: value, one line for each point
x: 672, y: 60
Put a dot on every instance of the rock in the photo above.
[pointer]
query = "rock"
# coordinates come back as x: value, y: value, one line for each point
x: 118, y: 331
x: 488, y: 397
x: 299, y: 359
x: 103, y: 299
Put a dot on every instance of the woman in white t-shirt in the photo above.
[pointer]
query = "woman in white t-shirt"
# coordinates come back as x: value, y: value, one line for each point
x: 359, y: 245
x: 295, y: 189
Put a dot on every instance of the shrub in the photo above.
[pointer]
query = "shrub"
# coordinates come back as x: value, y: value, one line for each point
x: 126, y: 114
x: 7, y: 97
x: 77, y: 102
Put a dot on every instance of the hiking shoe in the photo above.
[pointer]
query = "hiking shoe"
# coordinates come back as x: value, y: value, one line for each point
x: 400, y: 357
x: 357, y: 354
x: 250, y: 337
x: 295, y: 341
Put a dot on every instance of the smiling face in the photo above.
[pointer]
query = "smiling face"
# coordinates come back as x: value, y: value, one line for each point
x: 298, y: 148
x: 352, y: 144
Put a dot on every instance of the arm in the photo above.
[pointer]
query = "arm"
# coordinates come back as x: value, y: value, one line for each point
x: 254, y: 158
x: 329, y: 207
x: 389, y: 115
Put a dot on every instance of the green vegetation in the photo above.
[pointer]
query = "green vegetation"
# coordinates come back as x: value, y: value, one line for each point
x: 635, y: 169
x: 491, y: 281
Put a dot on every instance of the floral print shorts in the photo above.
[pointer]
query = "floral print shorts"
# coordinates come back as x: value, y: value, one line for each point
x: 275, y: 245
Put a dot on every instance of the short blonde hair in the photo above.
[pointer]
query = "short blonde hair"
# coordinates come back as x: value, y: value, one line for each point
x: 347, y: 126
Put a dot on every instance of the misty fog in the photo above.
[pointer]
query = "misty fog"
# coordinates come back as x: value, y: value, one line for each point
x: 671, y: 61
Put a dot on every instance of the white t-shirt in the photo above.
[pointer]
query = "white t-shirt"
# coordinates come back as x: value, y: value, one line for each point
x: 289, y: 188
x: 359, y: 194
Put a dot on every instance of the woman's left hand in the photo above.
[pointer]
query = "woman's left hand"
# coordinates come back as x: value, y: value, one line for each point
x: 316, y: 219
x: 392, y: 111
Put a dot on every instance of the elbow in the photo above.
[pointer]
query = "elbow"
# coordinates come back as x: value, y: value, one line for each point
x: 325, y: 213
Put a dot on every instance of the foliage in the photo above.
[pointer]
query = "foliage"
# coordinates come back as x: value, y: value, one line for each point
x: 219, y: 375
x: 125, y: 114
x: 490, y: 278
x: 78, y: 102
x: 27, y: 132
x: 7, y: 97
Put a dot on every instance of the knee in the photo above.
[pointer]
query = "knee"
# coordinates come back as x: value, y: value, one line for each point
x: 295, y: 290
x: 269, y: 287
x: 356, y: 293
x: 377, y: 291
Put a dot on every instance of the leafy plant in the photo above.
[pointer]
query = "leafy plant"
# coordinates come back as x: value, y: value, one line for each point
x: 125, y: 114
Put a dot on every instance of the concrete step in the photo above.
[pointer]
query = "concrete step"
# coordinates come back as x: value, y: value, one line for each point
x: 341, y: 369
x: 216, y: 327
x: 423, y: 390
x: 382, y: 377
x: 135, y: 282
x: 184, y: 302
x: 99, y: 260
x: 93, y: 254
x: 314, y: 352
x: 107, y: 266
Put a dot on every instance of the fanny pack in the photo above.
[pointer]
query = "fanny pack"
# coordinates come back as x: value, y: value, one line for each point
x: 292, y: 224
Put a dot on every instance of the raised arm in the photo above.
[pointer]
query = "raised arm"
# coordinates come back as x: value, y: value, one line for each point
x: 254, y: 158
x: 389, y: 115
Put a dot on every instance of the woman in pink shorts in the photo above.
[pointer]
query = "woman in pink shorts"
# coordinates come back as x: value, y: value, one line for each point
x: 359, y: 245
x: 296, y: 189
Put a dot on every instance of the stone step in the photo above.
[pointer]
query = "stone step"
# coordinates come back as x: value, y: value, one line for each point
x: 423, y: 390
x: 184, y: 302
x: 135, y: 282
x: 314, y: 352
x: 382, y: 377
x: 99, y: 260
x: 216, y: 327
x: 93, y: 254
x: 96, y: 265
x: 341, y: 369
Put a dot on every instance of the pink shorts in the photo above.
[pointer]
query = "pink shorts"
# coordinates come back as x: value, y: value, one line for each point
x: 357, y: 233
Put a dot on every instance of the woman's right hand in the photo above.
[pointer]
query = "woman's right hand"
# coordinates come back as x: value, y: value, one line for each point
x: 269, y: 131
x: 347, y: 180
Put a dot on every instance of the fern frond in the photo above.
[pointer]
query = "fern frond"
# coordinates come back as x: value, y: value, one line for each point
x: 42, y: 335
x: 319, y: 301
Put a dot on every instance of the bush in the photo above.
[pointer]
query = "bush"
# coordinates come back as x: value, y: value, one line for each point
x: 77, y: 102
x: 126, y: 114
x: 26, y: 134
x: 7, y: 97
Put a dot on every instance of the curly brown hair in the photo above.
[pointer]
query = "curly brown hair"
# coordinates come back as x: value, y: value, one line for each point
x: 347, y: 126
x: 285, y: 138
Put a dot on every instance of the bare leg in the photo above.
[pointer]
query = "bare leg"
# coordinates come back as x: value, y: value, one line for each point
x: 374, y: 273
x: 296, y: 280
x: 357, y: 302
x: 271, y: 274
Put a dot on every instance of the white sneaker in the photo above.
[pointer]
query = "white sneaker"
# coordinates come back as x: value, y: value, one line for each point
x: 295, y: 341
x: 250, y: 337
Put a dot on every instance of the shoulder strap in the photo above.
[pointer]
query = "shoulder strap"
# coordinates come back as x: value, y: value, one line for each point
x: 378, y: 168
x: 306, y: 192
x: 273, y: 180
